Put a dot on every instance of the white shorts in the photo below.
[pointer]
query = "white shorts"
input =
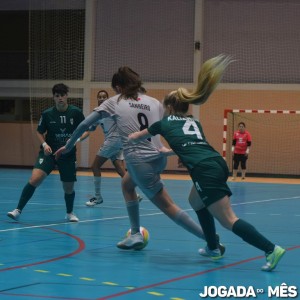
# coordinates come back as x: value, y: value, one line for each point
x: 112, y: 151
x: 146, y: 175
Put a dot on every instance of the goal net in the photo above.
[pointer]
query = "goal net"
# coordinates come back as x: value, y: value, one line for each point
x: 275, y: 149
x: 56, y: 50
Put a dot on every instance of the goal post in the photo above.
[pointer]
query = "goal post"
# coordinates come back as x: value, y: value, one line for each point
x: 275, y: 149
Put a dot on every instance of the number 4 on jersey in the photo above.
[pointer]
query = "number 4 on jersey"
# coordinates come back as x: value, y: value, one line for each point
x: 190, y: 128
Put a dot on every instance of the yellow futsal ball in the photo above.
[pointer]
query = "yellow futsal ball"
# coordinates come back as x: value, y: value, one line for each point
x: 145, y: 234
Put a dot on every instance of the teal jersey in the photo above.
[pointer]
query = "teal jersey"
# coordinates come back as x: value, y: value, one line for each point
x: 59, y: 126
x: 185, y: 136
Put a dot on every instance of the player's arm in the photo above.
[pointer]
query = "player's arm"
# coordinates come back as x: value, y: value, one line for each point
x: 93, y: 127
x: 84, y: 136
x: 233, y: 144
x: 166, y: 151
x: 248, y: 147
x: 47, y: 148
x: 82, y: 127
x: 138, y: 136
x: 249, y: 142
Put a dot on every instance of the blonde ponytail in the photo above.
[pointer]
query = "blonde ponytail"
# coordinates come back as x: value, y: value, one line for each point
x: 208, y: 79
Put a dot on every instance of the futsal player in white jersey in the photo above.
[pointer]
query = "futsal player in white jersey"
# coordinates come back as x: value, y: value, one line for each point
x: 133, y: 111
x: 111, y: 149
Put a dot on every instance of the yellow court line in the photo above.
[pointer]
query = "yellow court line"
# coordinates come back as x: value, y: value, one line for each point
x: 87, y: 279
x: 109, y: 283
x: 155, y: 294
x: 42, y: 271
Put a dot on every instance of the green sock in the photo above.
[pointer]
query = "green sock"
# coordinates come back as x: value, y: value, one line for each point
x: 250, y: 235
x: 69, y: 199
x: 27, y: 193
x: 207, y: 223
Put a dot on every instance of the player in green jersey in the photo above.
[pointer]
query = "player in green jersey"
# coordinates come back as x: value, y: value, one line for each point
x: 207, y: 168
x: 133, y: 109
x: 55, y: 127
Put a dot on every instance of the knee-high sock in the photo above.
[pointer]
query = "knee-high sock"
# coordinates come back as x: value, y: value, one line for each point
x: 27, y: 193
x: 207, y: 223
x: 134, y: 215
x: 185, y: 221
x: 97, y: 185
x: 69, y: 199
x: 250, y: 235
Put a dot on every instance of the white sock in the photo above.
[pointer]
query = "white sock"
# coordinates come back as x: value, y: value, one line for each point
x: 97, y: 184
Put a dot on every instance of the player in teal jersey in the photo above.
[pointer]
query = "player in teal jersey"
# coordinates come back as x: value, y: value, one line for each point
x: 55, y: 127
x: 207, y: 168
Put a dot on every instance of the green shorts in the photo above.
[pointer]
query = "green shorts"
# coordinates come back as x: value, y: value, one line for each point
x: 210, y: 179
x: 66, y: 165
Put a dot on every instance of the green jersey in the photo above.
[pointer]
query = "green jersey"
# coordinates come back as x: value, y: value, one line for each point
x: 185, y: 136
x: 59, y: 126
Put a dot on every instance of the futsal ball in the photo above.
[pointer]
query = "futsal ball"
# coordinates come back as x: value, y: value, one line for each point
x: 145, y: 234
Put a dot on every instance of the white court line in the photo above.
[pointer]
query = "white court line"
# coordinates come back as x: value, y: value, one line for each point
x: 267, y: 200
x: 73, y: 223
x: 142, y: 215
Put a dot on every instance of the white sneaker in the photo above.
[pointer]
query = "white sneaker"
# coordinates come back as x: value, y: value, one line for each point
x: 133, y: 241
x: 71, y: 217
x: 94, y: 201
x: 212, y: 254
x: 15, y: 214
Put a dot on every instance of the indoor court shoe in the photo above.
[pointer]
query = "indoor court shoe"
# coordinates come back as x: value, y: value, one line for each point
x: 133, y: 241
x: 15, y: 214
x: 212, y: 254
x: 221, y: 246
x: 94, y: 201
x: 273, y: 259
x: 71, y: 217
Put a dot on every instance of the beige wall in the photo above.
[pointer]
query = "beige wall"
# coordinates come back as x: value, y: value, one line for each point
x: 269, y: 154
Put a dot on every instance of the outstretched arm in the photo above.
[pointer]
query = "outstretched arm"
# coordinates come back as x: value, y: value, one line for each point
x: 83, y: 137
x: 166, y: 151
x: 138, y: 136
x: 82, y: 127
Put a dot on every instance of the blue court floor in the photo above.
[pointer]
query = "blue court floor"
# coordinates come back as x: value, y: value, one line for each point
x: 45, y: 257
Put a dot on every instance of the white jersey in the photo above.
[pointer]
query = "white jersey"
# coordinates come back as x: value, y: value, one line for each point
x: 135, y: 115
x: 109, y: 128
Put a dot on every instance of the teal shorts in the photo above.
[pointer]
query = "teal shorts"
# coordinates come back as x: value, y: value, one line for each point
x: 210, y: 180
x: 66, y: 165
